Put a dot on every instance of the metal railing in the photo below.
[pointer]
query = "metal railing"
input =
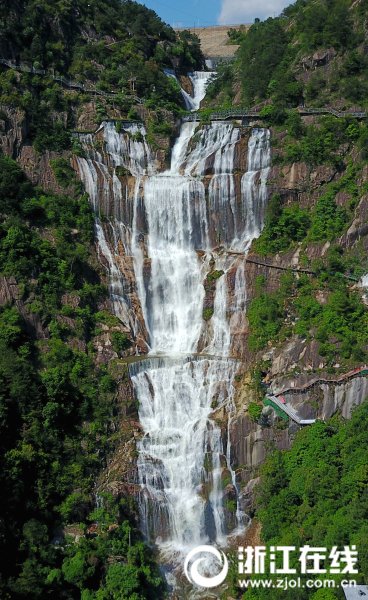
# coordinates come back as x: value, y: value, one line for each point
x: 290, y: 412
x: 336, y: 113
x: 224, y: 114
x: 275, y: 396
x: 215, y: 116
x: 69, y: 82
x: 238, y: 113
x: 359, y: 372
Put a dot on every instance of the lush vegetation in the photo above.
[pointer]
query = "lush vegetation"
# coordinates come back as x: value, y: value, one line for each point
x: 340, y: 324
x: 56, y: 406
x: 99, y: 40
x: 237, y: 36
x: 222, y: 83
x: 317, y: 494
x: 264, y: 58
x: 325, y: 142
x: 255, y: 411
x: 100, y: 44
x: 59, y: 409
x: 271, y: 54
x: 282, y: 227
x: 266, y: 314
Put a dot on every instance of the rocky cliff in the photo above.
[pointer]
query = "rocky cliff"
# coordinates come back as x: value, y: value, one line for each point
x: 298, y: 182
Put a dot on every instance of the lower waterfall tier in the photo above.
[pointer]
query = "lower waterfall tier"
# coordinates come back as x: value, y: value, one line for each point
x: 185, y: 480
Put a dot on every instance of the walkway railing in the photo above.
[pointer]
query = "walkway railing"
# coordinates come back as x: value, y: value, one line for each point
x: 290, y: 412
x: 360, y: 371
x: 274, y: 397
x: 68, y: 82
x: 236, y: 113
x: 239, y: 113
x: 279, y: 268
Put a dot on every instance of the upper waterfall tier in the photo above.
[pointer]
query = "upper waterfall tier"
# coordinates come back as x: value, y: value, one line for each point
x: 216, y: 208
x: 166, y: 218
x: 199, y: 81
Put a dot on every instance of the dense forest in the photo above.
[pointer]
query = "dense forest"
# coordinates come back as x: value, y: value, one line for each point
x: 274, y: 56
x: 316, y: 494
x: 99, y: 44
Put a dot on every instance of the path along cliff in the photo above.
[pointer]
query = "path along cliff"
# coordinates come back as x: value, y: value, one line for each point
x: 174, y: 241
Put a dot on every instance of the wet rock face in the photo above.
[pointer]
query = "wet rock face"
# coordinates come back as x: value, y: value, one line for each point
x: 229, y: 500
x: 125, y: 270
x: 187, y: 85
x: 250, y: 442
x: 13, y: 131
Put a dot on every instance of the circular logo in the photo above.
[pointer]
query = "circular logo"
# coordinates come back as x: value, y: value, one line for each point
x: 194, y: 576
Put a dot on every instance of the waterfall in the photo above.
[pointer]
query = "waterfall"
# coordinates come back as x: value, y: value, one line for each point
x: 172, y: 230
x: 189, y: 104
x: 254, y: 184
x: 199, y: 81
x: 179, y: 462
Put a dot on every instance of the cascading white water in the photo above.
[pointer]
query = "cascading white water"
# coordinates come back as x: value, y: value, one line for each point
x: 176, y: 292
x: 182, y: 455
x: 189, y: 104
x: 179, y: 462
x: 254, y: 181
x: 199, y: 81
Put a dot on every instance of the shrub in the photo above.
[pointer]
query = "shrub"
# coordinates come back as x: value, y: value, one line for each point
x: 63, y: 171
x: 54, y: 138
x: 282, y: 227
x: 328, y: 220
x: 120, y: 342
x: 265, y: 320
x: 255, y: 411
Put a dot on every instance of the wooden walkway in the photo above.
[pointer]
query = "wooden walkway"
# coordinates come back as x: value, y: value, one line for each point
x: 359, y: 372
